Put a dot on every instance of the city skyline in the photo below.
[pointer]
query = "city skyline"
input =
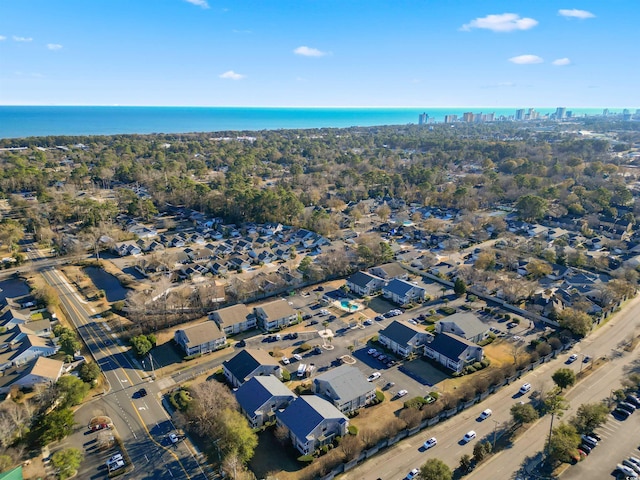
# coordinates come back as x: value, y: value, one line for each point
x: 318, y: 54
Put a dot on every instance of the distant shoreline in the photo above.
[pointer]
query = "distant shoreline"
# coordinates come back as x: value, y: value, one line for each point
x: 37, y: 121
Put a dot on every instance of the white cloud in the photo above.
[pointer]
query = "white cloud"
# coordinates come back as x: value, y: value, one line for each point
x: 231, y: 75
x: 575, y: 13
x: 22, y: 39
x: 309, y: 52
x: 505, y: 22
x: 198, y: 3
x: 54, y: 46
x: 561, y: 62
x: 526, y: 59
x: 2, y: 37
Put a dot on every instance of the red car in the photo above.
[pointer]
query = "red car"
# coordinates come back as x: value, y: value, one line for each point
x: 98, y: 426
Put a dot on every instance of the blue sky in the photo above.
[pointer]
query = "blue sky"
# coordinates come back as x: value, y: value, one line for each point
x: 419, y: 53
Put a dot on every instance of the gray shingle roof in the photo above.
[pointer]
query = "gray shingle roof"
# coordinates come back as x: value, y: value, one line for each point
x: 469, y: 323
x: 362, y: 279
x: 258, y: 390
x: 400, y: 287
x: 347, y: 382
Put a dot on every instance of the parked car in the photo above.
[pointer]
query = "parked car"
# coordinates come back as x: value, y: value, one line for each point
x: 592, y: 442
x: 633, y: 400
x: 512, y: 324
x: 430, y: 443
x: 572, y: 358
x: 371, y: 351
x: 286, y: 361
x: 620, y: 413
x: 627, y: 463
x: 297, y: 357
x: 174, y: 438
x: 373, y: 376
x: 626, y: 471
x: 627, y: 406
x: 402, y: 393
x: 485, y: 414
x: 470, y: 435
x: 585, y: 448
x: 241, y: 344
x: 586, y: 359
x: 524, y: 388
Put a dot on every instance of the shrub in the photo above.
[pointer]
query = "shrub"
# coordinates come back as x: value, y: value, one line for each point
x: 469, y: 369
x: 435, y: 395
x: 304, y: 347
x: 506, y: 316
x: 416, y: 402
x: 352, y: 429
x: 192, y: 357
x: 379, y: 396
x: 448, y: 310
x: 485, y: 362
x: 305, y: 458
x: 286, y: 375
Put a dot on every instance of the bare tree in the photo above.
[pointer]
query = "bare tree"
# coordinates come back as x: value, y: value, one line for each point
x: 351, y: 446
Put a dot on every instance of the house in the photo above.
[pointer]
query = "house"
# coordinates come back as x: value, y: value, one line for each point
x: 389, y: 271
x: 345, y: 387
x: 363, y: 283
x: 41, y: 371
x: 12, y: 317
x: 125, y: 249
x: 28, y: 348
x: 239, y: 263
x: 234, y: 319
x: 250, y: 363
x: 218, y: 268
x: 403, y: 338
x: 403, y: 292
x: 452, y: 351
x: 465, y: 325
x: 312, y: 422
x: 202, y: 338
x: 261, y: 397
x: 275, y: 315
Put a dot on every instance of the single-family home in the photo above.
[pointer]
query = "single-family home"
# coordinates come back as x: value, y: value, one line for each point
x: 389, y: 271
x: 40, y: 371
x: 275, y: 315
x: 234, y: 319
x: 403, y: 338
x: 465, y: 325
x: 29, y: 348
x: 403, y: 292
x: 250, y: 363
x: 202, y: 338
x: 345, y: 387
x: 452, y: 351
x: 312, y: 422
x: 363, y: 283
x: 261, y: 397
x: 127, y: 248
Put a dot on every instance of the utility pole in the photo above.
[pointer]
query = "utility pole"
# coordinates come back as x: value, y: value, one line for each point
x: 153, y: 370
x: 495, y: 428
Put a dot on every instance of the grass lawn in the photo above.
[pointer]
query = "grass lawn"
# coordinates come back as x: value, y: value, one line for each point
x: 272, y: 457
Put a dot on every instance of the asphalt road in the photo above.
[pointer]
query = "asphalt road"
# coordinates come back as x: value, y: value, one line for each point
x: 142, y: 423
x: 395, y: 462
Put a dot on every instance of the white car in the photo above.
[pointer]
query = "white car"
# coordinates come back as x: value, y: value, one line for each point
x: 524, y: 388
x: 115, y: 465
x: 174, y: 438
x: 430, y: 443
x: 572, y: 358
x: 371, y: 351
x: 470, y: 435
x: 402, y: 393
x: 373, y: 376
x: 485, y: 414
x: 412, y: 474
x: 285, y: 360
x: 297, y: 357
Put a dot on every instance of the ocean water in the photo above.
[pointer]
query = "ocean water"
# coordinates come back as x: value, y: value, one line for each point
x: 29, y: 121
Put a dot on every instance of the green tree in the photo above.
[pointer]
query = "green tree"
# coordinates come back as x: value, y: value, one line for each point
x: 564, y: 378
x: 459, y: 287
x: 531, y: 207
x: 435, y: 469
x: 67, y: 338
x: 6, y: 462
x: 71, y: 390
x: 66, y: 462
x: 56, y: 425
x: 465, y: 463
x: 538, y: 268
x: 589, y: 417
x: 523, y: 413
x: 481, y: 450
x: 576, y: 321
x: 141, y: 345
x: 237, y: 437
x: 564, y: 443
x: 89, y: 372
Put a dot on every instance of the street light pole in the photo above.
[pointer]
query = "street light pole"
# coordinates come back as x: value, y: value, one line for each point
x: 495, y: 428
x: 153, y: 370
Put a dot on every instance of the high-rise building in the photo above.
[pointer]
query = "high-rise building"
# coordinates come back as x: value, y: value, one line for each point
x: 520, y: 114
x: 423, y: 119
x: 450, y: 118
x: 467, y: 117
x: 605, y: 112
x: 560, y: 113
x: 533, y: 115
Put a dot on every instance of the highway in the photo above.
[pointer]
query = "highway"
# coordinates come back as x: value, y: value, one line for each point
x: 396, y: 462
x: 142, y: 423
